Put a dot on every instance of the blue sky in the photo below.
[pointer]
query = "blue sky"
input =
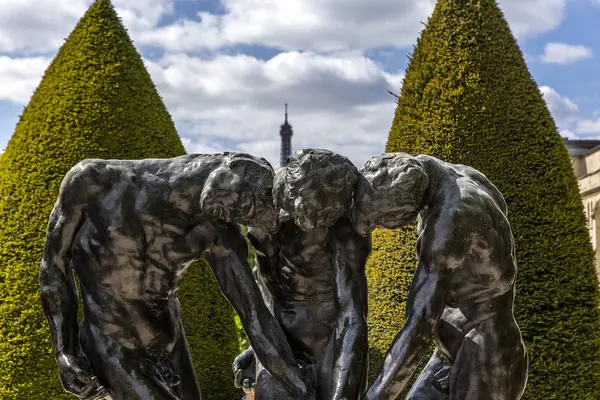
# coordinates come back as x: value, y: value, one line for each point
x: 225, y: 68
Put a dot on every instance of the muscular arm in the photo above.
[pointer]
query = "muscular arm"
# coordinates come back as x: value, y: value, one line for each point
x: 351, y: 252
x: 228, y: 261
x: 425, y: 304
x: 58, y: 291
x: 266, y: 252
x: 57, y: 285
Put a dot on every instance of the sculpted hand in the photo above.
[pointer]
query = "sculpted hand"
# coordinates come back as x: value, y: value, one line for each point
x: 244, y: 370
x: 77, y: 380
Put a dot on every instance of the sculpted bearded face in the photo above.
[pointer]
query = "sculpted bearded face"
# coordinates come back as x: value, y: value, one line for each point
x: 241, y: 191
x: 315, y: 188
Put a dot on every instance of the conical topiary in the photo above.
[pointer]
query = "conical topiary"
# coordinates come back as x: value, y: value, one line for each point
x: 96, y: 99
x: 243, y: 338
x: 469, y: 98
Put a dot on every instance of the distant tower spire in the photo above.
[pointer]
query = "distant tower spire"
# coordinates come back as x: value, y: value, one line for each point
x: 286, y: 133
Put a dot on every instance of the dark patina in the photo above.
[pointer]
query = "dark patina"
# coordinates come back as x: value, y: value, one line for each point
x: 463, y: 290
x: 312, y: 275
x: 129, y: 230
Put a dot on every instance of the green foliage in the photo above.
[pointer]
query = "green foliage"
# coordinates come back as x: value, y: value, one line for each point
x: 469, y: 98
x: 389, y: 273
x: 96, y: 100
x: 211, y: 332
x: 243, y: 338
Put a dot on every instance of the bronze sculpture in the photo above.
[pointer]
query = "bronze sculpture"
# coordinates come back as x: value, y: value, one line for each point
x: 129, y: 230
x: 311, y: 273
x: 463, y: 289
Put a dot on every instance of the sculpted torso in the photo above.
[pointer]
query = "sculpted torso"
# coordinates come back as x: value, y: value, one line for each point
x: 298, y: 275
x: 129, y: 230
x: 463, y: 289
x: 138, y: 237
x: 311, y: 273
x: 468, y: 230
x: 300, y: 285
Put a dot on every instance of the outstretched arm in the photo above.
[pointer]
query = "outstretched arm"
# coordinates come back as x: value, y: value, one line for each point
x: 351, y: 345
x: 229, y: 262
x: 425, y: 304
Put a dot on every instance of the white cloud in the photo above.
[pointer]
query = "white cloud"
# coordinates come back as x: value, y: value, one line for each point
x: 20, y: 76
x: 588, y: 127
x: 568, y: 134
x: 322, y: 25
x: 236, y: 102
x: 568, y: 118
x: 42, y: 25
x: 37, y: 25
x: 532, y: 17
x: 562, y: 53
x: 141, y: 15
x: 338, y: 98
x: 199, y: 147
x: 564, y: 111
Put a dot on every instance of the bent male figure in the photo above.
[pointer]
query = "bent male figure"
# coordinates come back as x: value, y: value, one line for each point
x: 463, y: 289
x: 312, y: 275
x: 129, y: 230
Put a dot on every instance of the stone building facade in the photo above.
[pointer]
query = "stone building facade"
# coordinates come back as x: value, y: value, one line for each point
x: 585, y: 158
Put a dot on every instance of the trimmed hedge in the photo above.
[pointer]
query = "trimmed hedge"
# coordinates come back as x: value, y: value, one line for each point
x: 96, y: 100
x: 469, y: 98
x: 244, y: 343
x: 211, y: 332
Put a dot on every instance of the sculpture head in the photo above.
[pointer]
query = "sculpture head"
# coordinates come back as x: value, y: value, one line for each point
x: 240, y: 190
x: 315, y: 188
x: 390, y: 194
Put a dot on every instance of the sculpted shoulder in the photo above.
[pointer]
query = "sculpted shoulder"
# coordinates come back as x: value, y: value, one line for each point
x: 92, y: 176
x: 449, y: 231
x: 85, y: 178
x: 483, y: 184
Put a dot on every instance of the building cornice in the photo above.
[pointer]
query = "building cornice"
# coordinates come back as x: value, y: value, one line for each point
x: 587, y: 186
x: 589, y: 191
